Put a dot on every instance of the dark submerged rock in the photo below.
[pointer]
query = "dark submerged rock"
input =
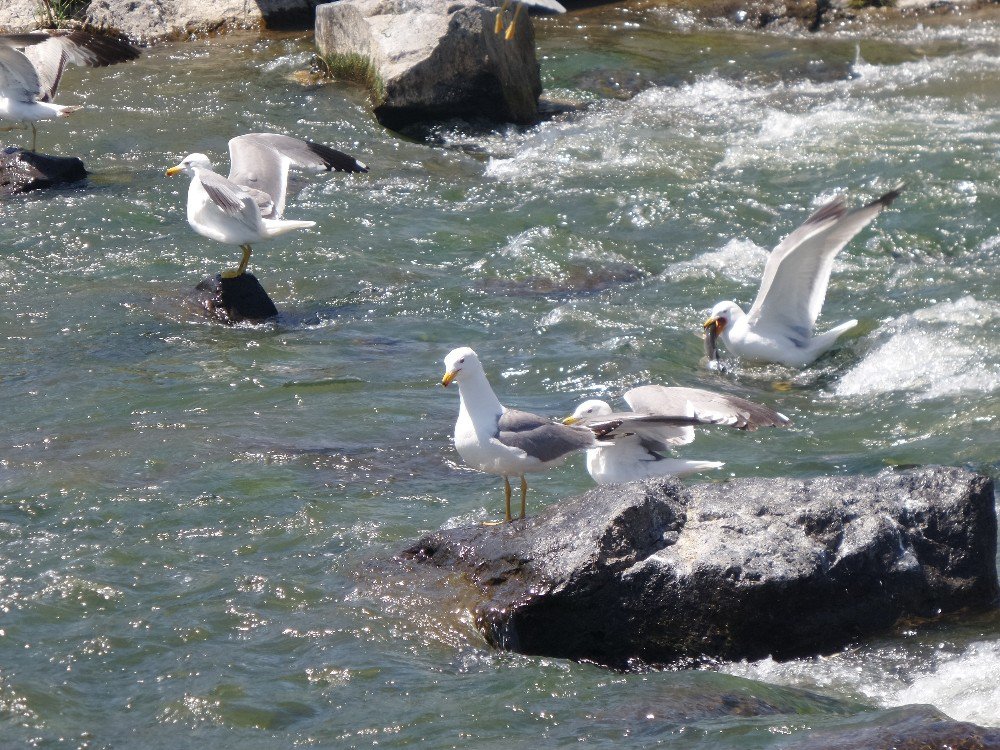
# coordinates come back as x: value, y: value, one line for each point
x: 904, y: 728
x: 660, y: 572
x: 235, y: 300
x: 22, y: 171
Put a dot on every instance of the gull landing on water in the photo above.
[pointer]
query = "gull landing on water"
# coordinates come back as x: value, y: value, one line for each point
x: 247, y: 206
x: 779, y: 326
x: 31, y: 66
x: 631, y: 444
x: 498, y: 440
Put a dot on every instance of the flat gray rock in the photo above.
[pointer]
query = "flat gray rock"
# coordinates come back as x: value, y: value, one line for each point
x: 427, y: 60
x: 661, y: 572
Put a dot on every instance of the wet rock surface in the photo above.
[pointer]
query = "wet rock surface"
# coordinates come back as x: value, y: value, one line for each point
x: 426, y: 61
x: 22, y: 171
x: 236, y: 300
x: 660, y: 573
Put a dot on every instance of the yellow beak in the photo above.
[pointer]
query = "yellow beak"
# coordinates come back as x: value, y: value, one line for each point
x: 174, y: 170
x: 448, y: 377
x: 571, y: 420
x: 716, y: 323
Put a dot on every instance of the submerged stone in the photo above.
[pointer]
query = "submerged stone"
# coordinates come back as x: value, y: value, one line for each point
x: 426, y: 60
x: 22, y: 171
x: 235, y: 300
x: 659, y: 572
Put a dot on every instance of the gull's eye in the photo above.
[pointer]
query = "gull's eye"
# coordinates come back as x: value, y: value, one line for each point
x: 461, y: 361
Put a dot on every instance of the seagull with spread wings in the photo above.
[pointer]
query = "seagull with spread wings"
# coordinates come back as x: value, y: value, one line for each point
x: 779, y: 326
x: 248, y: 206
x: 31, y: 66
x: 631, y: 445
x: 492, y: 438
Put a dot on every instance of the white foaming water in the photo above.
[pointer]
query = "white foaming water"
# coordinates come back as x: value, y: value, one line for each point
x: 740, y: 260
x: 933, y: 352
x: 964, y: 684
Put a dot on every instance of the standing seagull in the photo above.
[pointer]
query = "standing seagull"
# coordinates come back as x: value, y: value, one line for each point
x: 29, y: 78
x: 248, y: 206
x: 779, y: 326
x: 631, y: 444
x: 498, y: 440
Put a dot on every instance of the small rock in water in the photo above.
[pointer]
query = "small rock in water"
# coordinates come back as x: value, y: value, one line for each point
x: 236, y: 300
x: 22, y: 171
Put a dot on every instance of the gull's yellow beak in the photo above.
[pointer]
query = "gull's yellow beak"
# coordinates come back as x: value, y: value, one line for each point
x: 571, y: 420
x: 716, y: 324
x: 448, y: 377
x: 174, y: 170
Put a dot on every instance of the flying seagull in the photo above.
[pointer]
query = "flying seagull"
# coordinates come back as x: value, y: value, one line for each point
x: 31, y: 66
x: 247, y: 207
x: 779, y: 326
x: 492, y: 438
x: 546, y: 6
x: 631, y: 444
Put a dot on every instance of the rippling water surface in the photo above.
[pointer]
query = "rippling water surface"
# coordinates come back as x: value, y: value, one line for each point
x: 196, y: 521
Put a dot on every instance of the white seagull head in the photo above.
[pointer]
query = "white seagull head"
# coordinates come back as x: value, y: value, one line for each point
x: 461, y: 365
x: 591, y: 408
x: 723, y: 314
x: 188, y: 164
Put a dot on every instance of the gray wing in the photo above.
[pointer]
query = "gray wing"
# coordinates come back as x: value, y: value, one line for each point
x: 18, y: 78
x: 540, y: 437
x: 231, y: 199
x: 60, y: 48
x: 798, y: 270
x: 261, y: 161
x: 705, y: 407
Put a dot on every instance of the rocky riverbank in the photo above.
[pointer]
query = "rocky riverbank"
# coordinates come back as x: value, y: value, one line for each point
x: 155, y: 20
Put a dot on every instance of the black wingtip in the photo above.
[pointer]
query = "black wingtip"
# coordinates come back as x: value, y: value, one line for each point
x: 886, y: 200
x: 335, y: 160
x: 108, y: 49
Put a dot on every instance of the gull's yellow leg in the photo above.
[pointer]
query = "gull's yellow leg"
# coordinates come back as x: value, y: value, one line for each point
x: 241, y: 269
x: 507, y: 493
x: 499, y: 24
x: 34, y: 136
x: 524, y: 496
x: 510, y: 29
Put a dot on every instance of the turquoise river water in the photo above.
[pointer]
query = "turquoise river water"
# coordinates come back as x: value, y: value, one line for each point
x: 197, y: 522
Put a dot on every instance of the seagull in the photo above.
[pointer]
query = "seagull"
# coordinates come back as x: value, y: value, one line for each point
x: 548, y: 6
x: 247, y: 206
x: 661, y: 418
x: 779, y: 326
x: 492, y: 438
x: 29, y: 78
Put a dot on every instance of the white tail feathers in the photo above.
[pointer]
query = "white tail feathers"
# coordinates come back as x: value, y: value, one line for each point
x: 275, y: 227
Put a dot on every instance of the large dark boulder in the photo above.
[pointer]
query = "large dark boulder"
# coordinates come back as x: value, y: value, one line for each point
x: 235, y: 300
x: 427, y: 60
x: 22, y: 171
x: 660, y: 572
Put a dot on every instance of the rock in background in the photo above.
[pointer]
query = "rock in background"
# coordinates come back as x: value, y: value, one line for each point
x: 23, y: 171
x: 744, y: 569
x: 428, y: 60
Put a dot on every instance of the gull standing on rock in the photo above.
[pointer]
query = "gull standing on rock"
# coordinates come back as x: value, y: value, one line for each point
x: 498, y: 440
x: 631, y: 444
x: 29, y: 78
x: 247, y: 207
x: 779, y: 326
